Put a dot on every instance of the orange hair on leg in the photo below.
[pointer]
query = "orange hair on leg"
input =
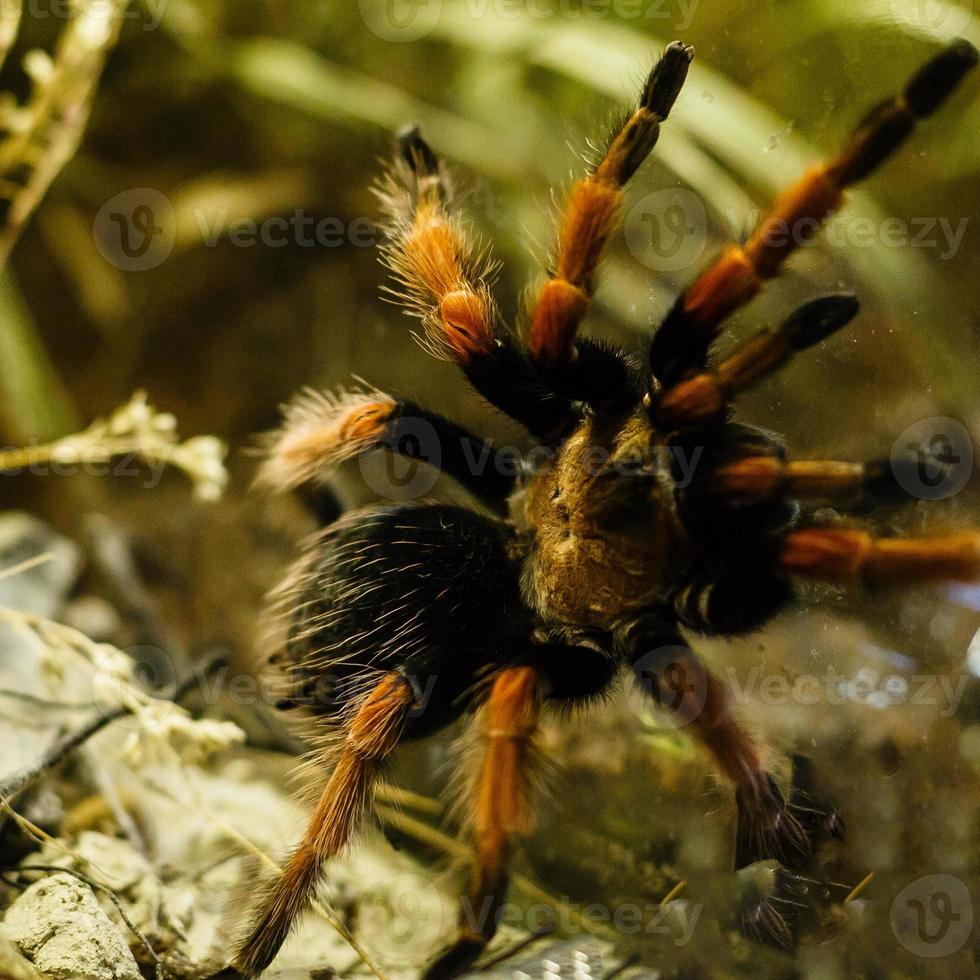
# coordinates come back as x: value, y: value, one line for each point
x: 841, y: 555
x: 442, y: 277
x: 371, y: 738
x: 797, y: 214
x: 319, y: 431
x: 592, y: 211
x: 499, y: 808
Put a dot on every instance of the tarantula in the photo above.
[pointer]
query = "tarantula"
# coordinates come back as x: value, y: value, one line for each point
x: 399, y: 618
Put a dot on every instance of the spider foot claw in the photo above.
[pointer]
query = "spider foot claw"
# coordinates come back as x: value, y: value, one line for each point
x: 455, y: 959
x: 768, y: 829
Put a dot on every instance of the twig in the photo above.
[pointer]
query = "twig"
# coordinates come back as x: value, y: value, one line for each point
x: 397, y: 796
x: 519, y: 947
x: 428, y: 834
x: 46, y: 703
x: 319, y: 907
x: 58, y: 752
x: 859, y: 887
x: 27, y: 564
x: 673, y: 893
x: 161, y: 970
x: 63, y: 747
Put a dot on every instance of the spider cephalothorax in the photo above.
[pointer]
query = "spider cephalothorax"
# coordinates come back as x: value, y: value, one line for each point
x: 643, y: 509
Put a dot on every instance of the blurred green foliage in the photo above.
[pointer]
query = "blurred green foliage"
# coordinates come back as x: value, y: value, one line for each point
x: 225, y: 113
x: 249, y: 110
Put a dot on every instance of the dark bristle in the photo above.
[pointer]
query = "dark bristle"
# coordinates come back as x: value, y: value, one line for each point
x: 937, y: 79
x: 818, y: 319
x: 416, y: 152
x: 667, y: 78
x: 603, y: 376
x: 767, y: 829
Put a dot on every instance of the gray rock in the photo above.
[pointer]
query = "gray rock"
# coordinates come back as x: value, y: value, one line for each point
x: 61, y: 927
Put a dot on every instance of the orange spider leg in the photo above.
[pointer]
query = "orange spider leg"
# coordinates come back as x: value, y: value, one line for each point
x: 682, y: 341
x: 706, y: 396
x: 371, y: 738
x: 592, y: 210
x: 501, y: 810
x: 842, y: 555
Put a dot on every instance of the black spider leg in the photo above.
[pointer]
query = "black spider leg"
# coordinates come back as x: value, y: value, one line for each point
x: 578, y: 369
x: 775, y: 901
x: 733, y: 584
x: 320, y: 431
x: 751, y: 485
x: 682, y: 342
x: 743, y: 479
x: 507, y: 379
x: 772, y: 904
x: 666, y: 667
x: 474, y: 463
x: 603, y: 376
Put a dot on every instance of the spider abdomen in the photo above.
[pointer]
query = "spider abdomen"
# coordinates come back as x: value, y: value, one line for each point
x: 391, y: 589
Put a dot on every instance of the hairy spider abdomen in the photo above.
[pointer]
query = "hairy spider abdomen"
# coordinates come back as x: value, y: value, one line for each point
x: 393, y: 589
x: 605, y: 535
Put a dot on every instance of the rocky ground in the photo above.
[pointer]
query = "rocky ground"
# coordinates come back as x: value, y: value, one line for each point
x: 164, y: 820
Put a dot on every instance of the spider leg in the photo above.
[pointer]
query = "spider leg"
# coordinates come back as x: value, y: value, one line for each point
x: 587, y: 371
x: 500, y: 809
x: 671, y: 672
x: 705, y: 397
x: 444, y: 278
x: 380, y: 633
x: 727, y: 587
x: 738, y: 597
x: 320, y: 431
x: 753, y: 479
x: 371, y: 736
x: 849, y: 555
x: 565, y: 669
x: 682, y: 341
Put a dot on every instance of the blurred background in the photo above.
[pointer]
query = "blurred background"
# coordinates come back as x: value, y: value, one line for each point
x: 211, y: 240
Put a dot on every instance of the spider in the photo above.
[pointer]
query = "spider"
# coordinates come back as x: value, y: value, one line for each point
x: 399, y: 618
